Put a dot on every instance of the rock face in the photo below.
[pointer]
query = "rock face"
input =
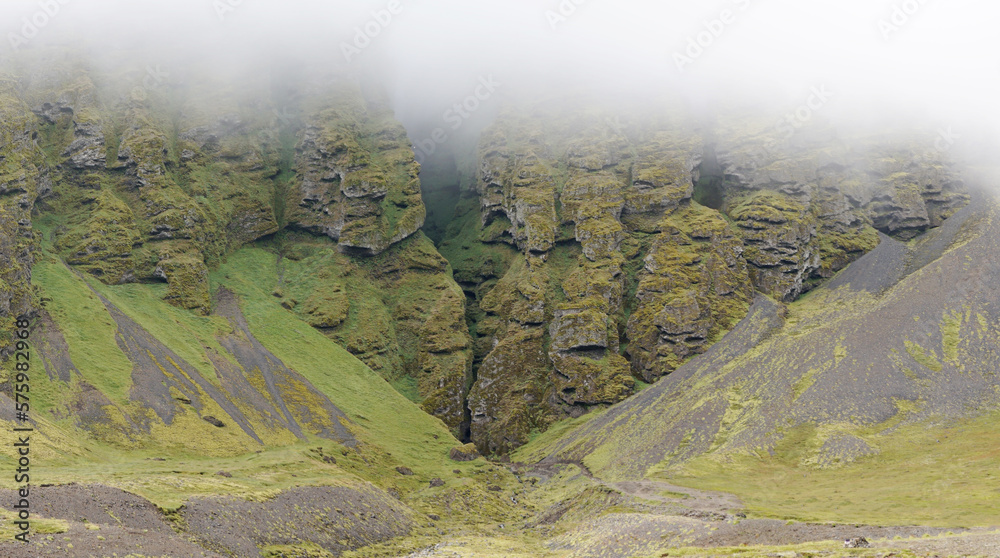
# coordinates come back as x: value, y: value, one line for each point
x: 601, y: 289
x: 400, y: 312
x: 693, y: 281
x: 148, y: 195
x: 358, y: 177
x: 160, y: 184
x: 597, y: 251
x: 807, y: 206
x: 593, y: 251
x: 23, y: 179
x: 898, y: 339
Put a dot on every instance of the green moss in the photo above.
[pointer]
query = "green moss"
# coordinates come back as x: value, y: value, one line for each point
x: 88, y: 328
x: 938, y: 477
x: 925, y: 358
x: 102, y: 245
x: 686, y: 289
x: 383, y: 416
x: 951, y: 329
x: 305, y: 550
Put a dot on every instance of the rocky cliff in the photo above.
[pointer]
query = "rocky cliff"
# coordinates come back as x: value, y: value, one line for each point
x: 158, y: 180
x: 23, y: 180
x: 227, y: 272
x: 599, y: 249
x: 593, y: 251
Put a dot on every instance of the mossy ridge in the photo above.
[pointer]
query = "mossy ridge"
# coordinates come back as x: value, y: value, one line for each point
x: 162, y: 182
x: 379, y: 412
x: 23, y: 179
x: 182, y: 182
x: 359, y: 180
x: 607, y: 195
x: 800, y: 214
x: 255, y: 475
x: 399, y: 311
x: 869, y: 431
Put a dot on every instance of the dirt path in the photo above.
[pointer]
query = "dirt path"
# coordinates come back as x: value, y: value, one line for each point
x: 973, y: 543
x: 701, y: 500
x: 708, y: 519
x: 710, y: 504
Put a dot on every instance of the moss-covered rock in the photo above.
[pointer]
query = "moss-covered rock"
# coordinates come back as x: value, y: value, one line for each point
x: 693, y: 286
x: 357, y: 179
x: 620, y: 269
x: 172, y: 188
x: 778, y: 232
x: 23, y: 178
x: 578, y: 198
x: 506, y: 406
x: 103, y: 244
x: 187, y: 281
x: 809, y: 205
x: 399, y: 311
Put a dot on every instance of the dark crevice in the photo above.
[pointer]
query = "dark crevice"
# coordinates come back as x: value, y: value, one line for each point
x: 709, y: 189
x: 440, y: 185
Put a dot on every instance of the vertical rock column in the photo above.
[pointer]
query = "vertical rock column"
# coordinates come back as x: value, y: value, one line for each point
x: 694, y: 282
x: 22, y: 179
x: 517, y: 198
x: 584, y: 335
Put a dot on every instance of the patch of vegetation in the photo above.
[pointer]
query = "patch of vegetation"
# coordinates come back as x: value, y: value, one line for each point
x: 926, y: 474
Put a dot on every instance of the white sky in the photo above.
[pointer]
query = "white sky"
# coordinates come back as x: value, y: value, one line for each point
x: 942, y: 62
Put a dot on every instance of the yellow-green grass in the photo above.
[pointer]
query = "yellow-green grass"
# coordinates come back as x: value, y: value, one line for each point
x: 38, y: 526
x: 945, y: 475
x: 542, y: 444
x: 391, y: 430
x: 386, y: 418
x: 168, y: 483
x: 466, y: 545
x: 826, y: 549
x: 87, y: 327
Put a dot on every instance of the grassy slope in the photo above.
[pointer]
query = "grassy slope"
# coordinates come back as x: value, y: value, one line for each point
x: 386, y: 418
x: 926, y: 474
x: 934, y: 471
x: 391, y: 430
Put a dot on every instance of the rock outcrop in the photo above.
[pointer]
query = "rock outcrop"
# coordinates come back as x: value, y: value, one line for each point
x: 594, y: 250
x: 808, y: 205
x: 23, y: 179
x: 358, y: 179
x: 597, y: 252
x: 596, y: 212
x: 160, y: 183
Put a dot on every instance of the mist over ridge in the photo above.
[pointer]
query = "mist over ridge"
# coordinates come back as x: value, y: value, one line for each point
x: 916, y: 59
x: 500, y: 278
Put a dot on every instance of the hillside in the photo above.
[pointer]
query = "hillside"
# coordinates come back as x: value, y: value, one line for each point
x: 888, y: 371
x: 629, y: 330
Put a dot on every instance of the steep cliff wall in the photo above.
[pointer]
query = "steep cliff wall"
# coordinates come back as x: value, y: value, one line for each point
x: 602, y: 248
